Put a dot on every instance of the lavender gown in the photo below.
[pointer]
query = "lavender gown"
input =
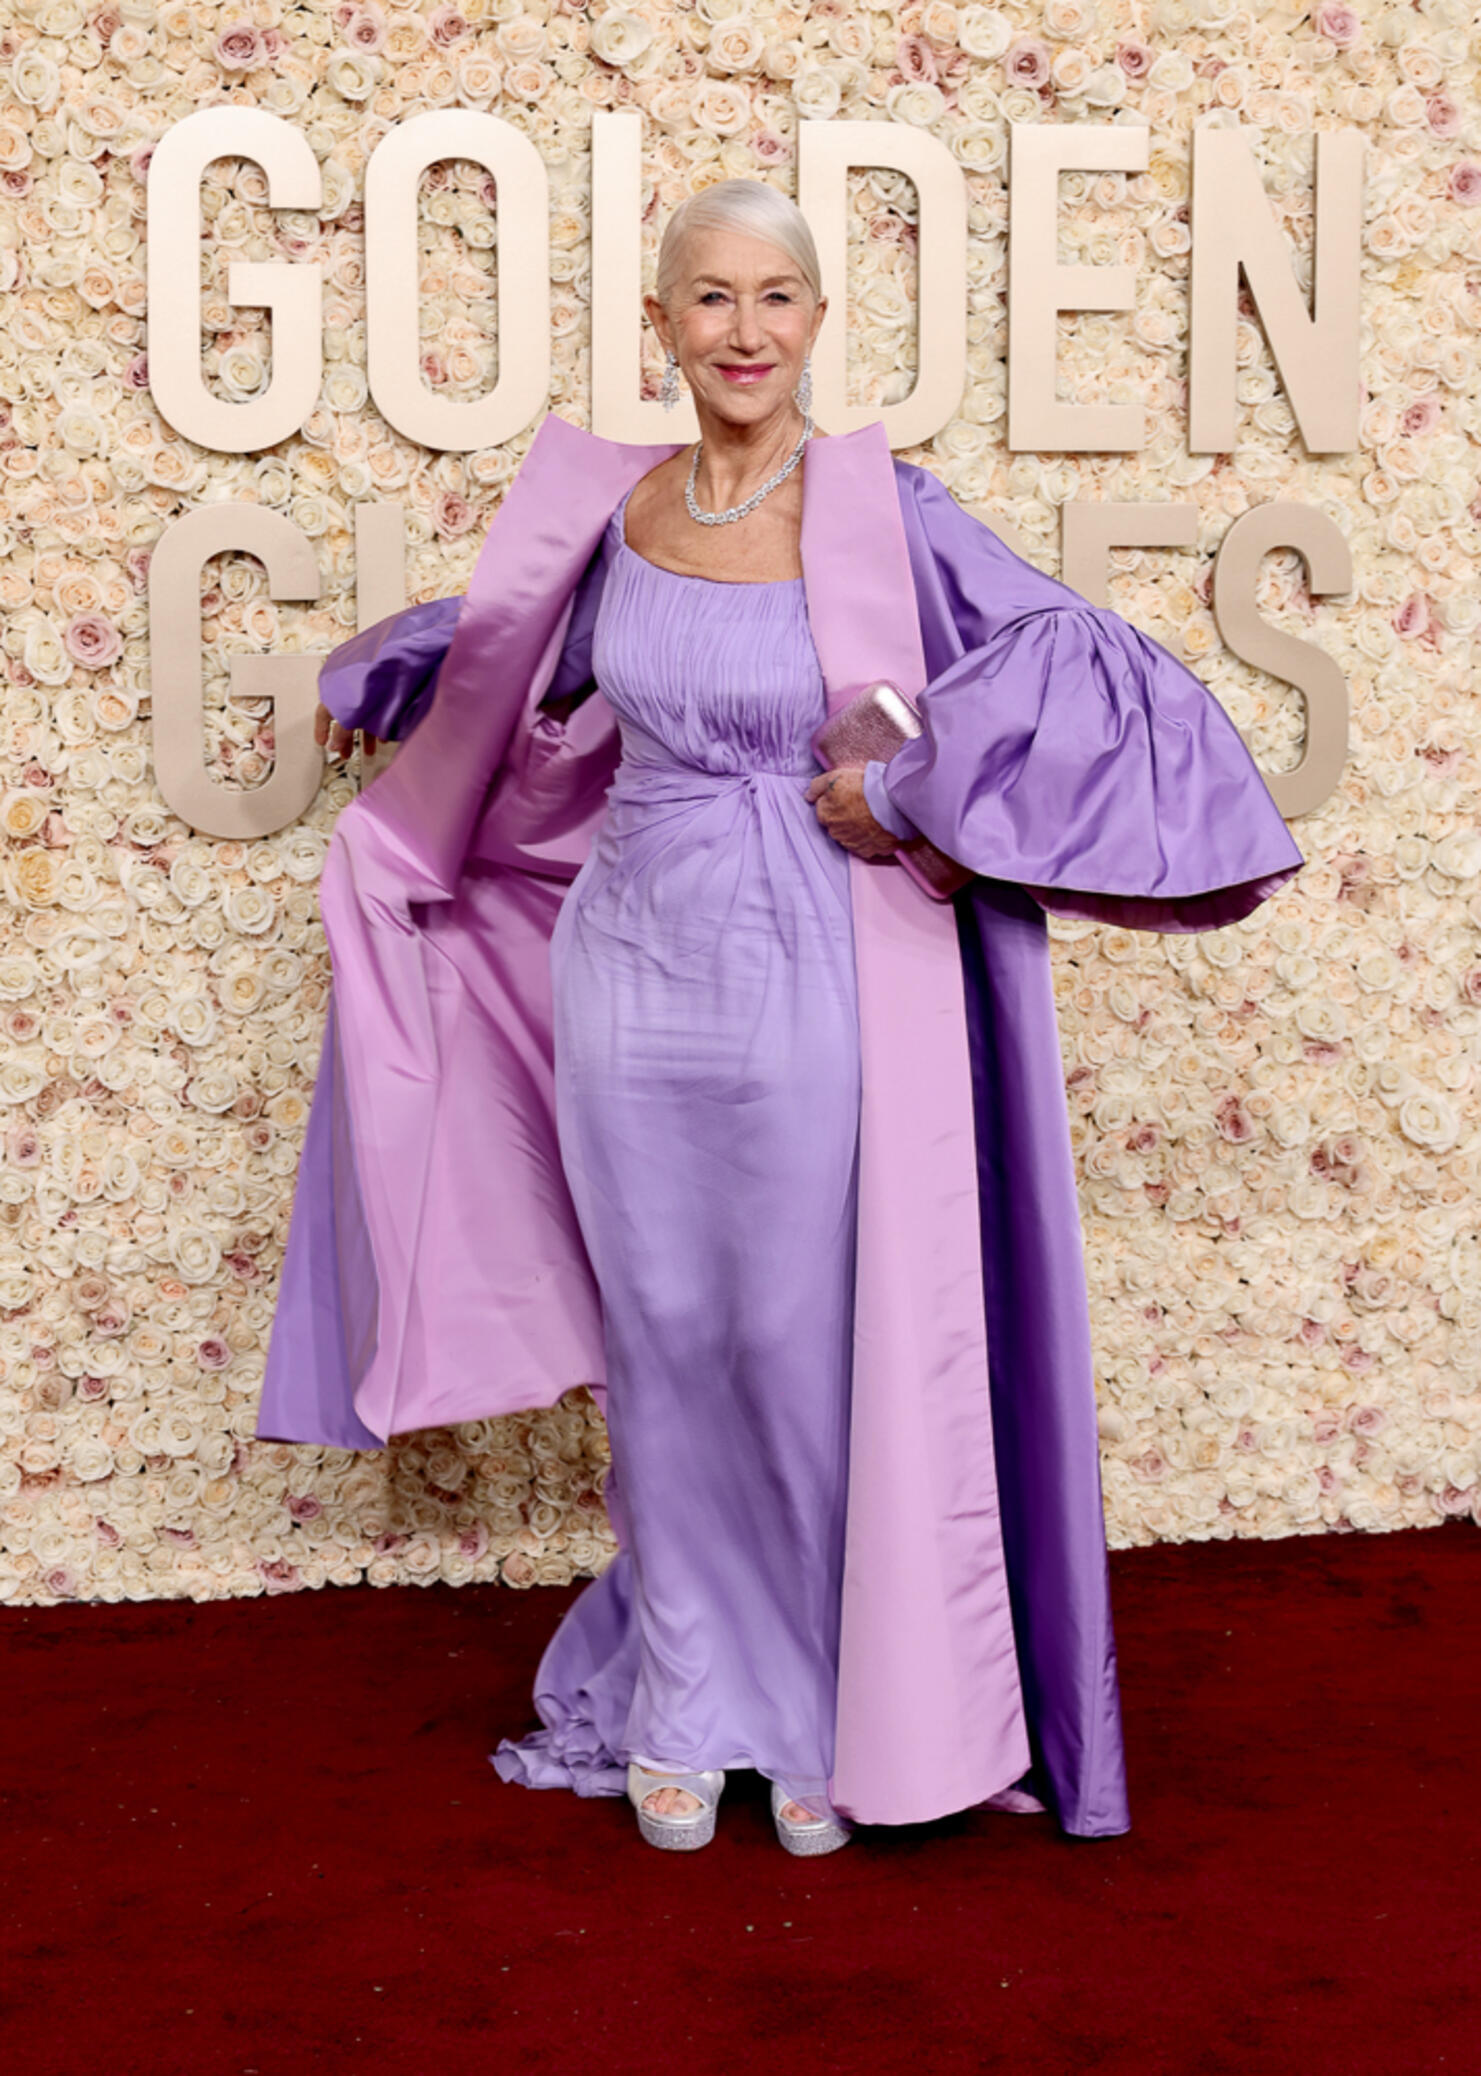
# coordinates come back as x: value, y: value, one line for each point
x: 707, y: 1099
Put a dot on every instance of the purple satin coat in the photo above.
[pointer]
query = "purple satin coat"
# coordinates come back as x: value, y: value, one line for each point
x: 1065, y: 753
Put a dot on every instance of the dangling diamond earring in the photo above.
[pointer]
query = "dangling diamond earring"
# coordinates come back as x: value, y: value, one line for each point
x: 668, y: 389
x: 802, y: 394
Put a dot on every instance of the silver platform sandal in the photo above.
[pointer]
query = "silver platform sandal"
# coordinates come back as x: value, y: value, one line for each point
x: 821, y: 1834
x: 679, y: 1833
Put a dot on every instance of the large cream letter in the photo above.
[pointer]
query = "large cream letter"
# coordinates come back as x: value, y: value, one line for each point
x: 1039, y: 287
x: 1311, y: 670
x: 172, y: 281
x: 618, y: 412
x: 291, y: 682
x: 1089, y: 530
x: 393, y: 343
x: 825, y: 153
x: 1234, y: 231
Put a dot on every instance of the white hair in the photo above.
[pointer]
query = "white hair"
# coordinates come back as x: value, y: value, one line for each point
x: 752, y: 206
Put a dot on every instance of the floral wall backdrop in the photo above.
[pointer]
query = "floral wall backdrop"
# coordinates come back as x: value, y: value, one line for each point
x: 1276, y: 1123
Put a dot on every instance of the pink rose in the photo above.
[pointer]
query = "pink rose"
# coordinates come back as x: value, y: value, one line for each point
x: 365, y: 30
x: 446, y: 27
x: 239, y: 48
x: 1027, y: 63
x: 1134, y: 59
x: 1413, y: 617
x: 916, y: 59
x: 1465, y: 183
x: 1443, y: 115
x: 213, y: 1353
x: 93, y: 641
x: 303, y: 1506
x: 452, y: 515
x: 1232, y: 1123
x: 1340, y: 25
x: 1420, y: 417
x: 23, y: 1146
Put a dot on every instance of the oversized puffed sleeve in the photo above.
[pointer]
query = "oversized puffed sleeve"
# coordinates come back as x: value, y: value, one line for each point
x: 1070, y: 753
x: 382, y: 679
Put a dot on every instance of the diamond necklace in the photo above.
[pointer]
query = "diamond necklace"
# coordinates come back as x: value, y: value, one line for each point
x: 739, y: 511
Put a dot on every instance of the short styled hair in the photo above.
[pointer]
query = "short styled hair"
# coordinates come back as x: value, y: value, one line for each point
x: 743, y: 204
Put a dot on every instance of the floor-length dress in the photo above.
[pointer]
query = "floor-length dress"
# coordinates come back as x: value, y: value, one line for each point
x: 707, y: 1100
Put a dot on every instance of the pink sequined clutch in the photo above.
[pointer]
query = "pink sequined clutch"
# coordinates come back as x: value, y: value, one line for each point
x: 871, y: 728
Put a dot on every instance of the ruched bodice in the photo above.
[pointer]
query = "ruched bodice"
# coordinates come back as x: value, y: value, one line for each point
x: 707, y: 1098
x: 733, y: 686
x: 709, y: 845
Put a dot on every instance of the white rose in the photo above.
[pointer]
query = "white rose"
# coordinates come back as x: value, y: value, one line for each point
x: 737, y: 45
x: 1458, y: 856
x: 984, y: 33
x: 721, y: 109
x: 91, y: 1460
x: 918, y: 102
x: 1429, y: 1119
x: 621, y: 39
x: 250, y: 910
x: 353, y: 75
x: 196, y: 1256
x: 193, y: 1019
x: 816, y: 93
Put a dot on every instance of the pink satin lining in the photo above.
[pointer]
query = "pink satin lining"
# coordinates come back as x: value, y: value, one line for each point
x: 442, y: 977
x: 930, y: 1707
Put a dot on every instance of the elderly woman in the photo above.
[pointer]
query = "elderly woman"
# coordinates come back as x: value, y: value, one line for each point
x: 649, y: 1067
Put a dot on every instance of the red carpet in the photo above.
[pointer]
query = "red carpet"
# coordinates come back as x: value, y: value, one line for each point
x: 255, y: 1838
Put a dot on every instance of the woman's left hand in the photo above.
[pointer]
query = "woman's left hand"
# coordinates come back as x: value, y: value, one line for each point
x: 844, y: 812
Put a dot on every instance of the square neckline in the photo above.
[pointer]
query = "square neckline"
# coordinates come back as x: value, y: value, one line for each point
x: 619, y: 520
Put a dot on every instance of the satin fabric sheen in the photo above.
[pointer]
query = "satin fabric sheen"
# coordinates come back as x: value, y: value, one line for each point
x: 1221, y: 849
x: 707, y: 1100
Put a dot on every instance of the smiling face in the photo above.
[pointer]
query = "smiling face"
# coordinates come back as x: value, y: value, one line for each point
x: 741, y: 321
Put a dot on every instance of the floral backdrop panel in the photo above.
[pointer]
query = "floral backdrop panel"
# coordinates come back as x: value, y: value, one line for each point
x: 1275, y: 1123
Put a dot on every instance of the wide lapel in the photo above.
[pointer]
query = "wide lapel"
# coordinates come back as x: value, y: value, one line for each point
x: 508, y: 638
x: 408, y: 1078
x: 930, y: 1707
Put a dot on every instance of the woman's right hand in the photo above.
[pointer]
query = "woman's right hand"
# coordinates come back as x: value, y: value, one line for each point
x: 335, y: 739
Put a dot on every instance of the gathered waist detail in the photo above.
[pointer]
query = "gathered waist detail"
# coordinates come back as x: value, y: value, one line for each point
x: 651, y: 770
x: 640, y: 785
x: 632, y: 775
